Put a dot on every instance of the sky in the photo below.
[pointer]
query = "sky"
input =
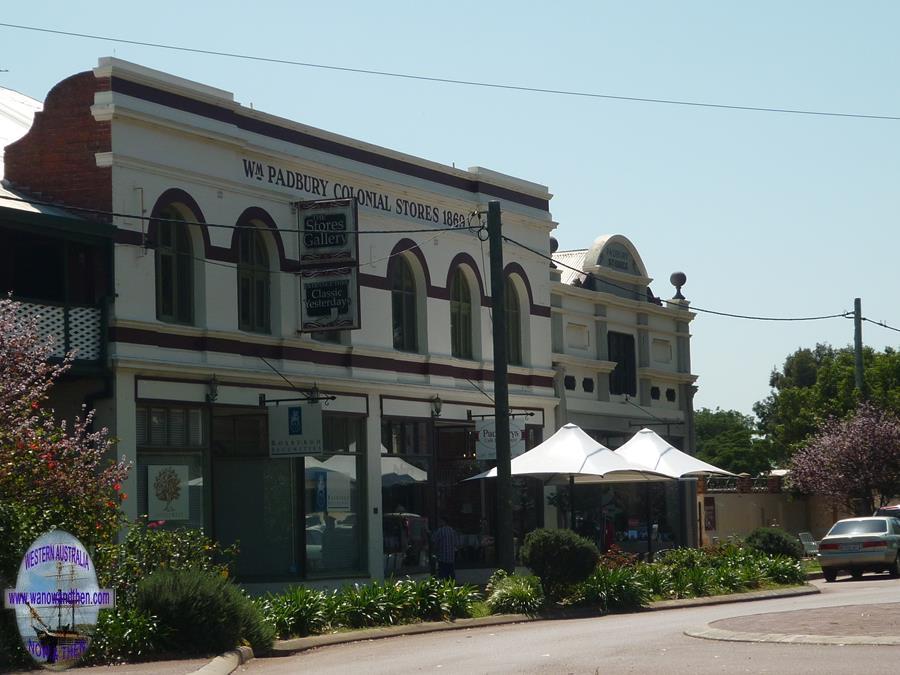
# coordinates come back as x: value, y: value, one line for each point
x: 768, y: 214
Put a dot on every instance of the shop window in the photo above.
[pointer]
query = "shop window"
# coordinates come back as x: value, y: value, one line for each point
x: 174, y: 268
x: 460, y: 316
x: 623, y: 378
x: 253, y: 281
x: 513, y: 324
x: 170, y: 443
x: 301, y: 517
x: 403, y: 307
x: 407, y: 495
x: 424, y: 467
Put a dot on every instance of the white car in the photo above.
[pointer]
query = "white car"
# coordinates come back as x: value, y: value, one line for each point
x: 858, y: 545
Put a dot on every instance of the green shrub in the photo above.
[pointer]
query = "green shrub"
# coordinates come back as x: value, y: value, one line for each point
x: 775, y: 541
x: 560, y: 558
x: 148, y: 547
x: 697, y: 581
x: 656, y: 579
x: 516, y: 594
x: 124, y: 635
x: 783, y: 570
x: 612, y: 588
x: 372, y: 604
x: 456, y: 601
x: 201, y: 612
x: 298, y: 611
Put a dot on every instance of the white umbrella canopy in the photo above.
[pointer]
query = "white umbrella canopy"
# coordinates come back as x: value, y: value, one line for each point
x: 649, y: 450
x: 570, y: 454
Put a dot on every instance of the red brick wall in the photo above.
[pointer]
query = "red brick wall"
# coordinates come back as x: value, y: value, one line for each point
x: 56, y: 157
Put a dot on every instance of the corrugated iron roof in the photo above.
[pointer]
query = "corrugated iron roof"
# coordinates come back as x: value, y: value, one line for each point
x: 572, y: 259
x: 16, y: 115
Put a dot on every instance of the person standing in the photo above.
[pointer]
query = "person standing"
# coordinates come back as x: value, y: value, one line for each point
x: 445, y: 541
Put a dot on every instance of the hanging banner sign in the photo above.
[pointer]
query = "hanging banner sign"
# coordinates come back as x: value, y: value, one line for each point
x: 295, y: 430
x: 329, y: 299
x: 328, y: 232
x: 486, y: 438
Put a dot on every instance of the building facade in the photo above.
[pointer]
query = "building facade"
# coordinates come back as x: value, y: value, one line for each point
x: 204, y: 313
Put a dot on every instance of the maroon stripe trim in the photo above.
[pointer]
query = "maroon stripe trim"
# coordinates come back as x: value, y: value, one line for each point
x: 203, y: 343
x: 171, y: 100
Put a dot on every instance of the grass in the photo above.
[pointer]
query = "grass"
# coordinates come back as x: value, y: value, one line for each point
x: 480, y: 609
x: 810, y: 565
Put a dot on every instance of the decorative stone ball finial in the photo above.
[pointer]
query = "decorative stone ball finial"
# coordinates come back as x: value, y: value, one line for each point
x: 678, y: 279
x: 554, y: 246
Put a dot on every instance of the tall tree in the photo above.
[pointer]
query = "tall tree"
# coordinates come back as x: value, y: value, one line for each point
x: 856, y: 460
x: 817, y: 384
x: 725, y: 438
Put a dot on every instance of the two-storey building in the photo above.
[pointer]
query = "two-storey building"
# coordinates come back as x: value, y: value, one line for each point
x: 204, y: 195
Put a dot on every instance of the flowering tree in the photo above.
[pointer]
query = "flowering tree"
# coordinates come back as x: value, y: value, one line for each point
x: 856, y: 460
x: 52, y: 474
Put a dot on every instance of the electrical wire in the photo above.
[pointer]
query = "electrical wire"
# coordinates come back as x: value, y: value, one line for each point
x: 447, y: 80
x: 692, y: 308
x: 115, y: 214
x: 881, y: 323
x: 439, y: 231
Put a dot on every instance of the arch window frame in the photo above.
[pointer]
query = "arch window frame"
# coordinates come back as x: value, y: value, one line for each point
x: 174, y: 267
x: 254, y: 283
x: 404, y: 306
x: 513, y: 305
x: 461, y: 323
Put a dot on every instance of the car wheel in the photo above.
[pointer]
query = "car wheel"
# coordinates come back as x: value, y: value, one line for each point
x: 895, y: 567
x: 856, y: 574
x: 830, y: 575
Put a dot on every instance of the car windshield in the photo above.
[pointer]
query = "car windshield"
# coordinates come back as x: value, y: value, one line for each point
x: 873, y: 526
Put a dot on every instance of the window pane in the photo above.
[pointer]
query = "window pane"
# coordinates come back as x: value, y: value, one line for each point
x: 334, y: 528
x: 159, y: 434
x: 166, y: 281
x: 184, y: 288
x: 177, y: 428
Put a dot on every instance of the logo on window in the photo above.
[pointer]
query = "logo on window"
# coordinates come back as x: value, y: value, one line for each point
x: 295, y: 421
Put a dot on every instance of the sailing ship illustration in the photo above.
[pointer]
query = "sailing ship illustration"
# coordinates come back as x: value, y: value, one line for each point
x: 65, y: 643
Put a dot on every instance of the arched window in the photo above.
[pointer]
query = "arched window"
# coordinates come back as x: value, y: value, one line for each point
x: 174, y: 268
x: 403, y: 307
x: 460, y: 316
x: 513, y: 324
x: 253, y: 281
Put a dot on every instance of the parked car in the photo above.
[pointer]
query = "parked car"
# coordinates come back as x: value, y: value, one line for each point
x: 892, y: 510
x: 858, y: 545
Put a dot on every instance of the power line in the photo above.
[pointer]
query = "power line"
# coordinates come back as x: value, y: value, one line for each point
x: 692, y: 308
x: 882, y: 324
x: 115, y: 214
x: 447, y: 80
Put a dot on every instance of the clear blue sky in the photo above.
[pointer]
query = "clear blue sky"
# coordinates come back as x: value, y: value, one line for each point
x: 768, y: 214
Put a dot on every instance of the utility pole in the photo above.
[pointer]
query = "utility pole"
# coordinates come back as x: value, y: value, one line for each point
x: 505, y: 548
x: 858, y: 347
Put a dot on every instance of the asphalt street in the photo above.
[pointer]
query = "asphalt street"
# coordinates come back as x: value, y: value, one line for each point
x: 647, y: 642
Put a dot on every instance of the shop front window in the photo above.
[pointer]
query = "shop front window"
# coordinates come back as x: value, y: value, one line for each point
x: 619, y: 514
x: 407, y: 495
x: 424, y: 468
x: 293, y: 517
x: 333, y: 499
x: 170, y: 445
